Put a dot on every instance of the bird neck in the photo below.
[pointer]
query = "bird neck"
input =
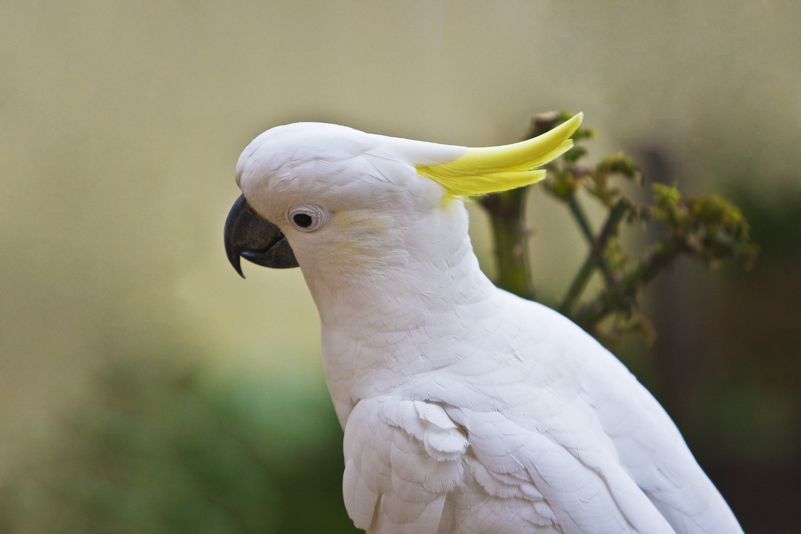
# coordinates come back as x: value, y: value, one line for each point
x: 378, y: 319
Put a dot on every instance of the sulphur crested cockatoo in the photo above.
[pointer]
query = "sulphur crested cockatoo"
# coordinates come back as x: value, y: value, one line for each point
x: 465, y: 408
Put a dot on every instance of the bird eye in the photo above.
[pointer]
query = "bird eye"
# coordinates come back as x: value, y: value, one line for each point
x: 308, y: 218
x: 303, y: 220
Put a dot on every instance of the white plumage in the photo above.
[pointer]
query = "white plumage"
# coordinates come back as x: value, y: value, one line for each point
x: 465, y: 409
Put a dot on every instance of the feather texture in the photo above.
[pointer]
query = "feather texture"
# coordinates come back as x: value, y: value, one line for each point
x: 465, y: 409
x: 491, y: 169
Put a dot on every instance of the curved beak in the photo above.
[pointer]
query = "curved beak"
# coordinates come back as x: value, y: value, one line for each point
x: 251, y: 236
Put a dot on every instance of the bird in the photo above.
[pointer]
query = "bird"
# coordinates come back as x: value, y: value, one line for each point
x: 465, y: 409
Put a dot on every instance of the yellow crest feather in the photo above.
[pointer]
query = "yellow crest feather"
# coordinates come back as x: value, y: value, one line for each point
x: 500, y: 168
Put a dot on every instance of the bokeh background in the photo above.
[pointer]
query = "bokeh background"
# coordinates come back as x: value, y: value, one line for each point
x: 144, y: 387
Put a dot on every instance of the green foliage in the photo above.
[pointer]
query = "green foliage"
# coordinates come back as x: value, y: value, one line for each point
x: 156, y: 450
x: 707, y: 228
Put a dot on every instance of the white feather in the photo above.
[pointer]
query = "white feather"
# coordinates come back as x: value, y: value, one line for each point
x: 465, y: 409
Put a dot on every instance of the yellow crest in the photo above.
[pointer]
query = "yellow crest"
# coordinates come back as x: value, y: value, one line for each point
x: 500, y: 168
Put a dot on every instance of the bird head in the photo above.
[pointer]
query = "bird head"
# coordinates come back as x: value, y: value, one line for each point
x: 318, y: 195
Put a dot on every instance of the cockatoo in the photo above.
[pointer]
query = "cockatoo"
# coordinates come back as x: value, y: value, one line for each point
x: 465, y: 409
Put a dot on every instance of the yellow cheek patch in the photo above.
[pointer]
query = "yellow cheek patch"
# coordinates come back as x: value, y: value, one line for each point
x: 500, y: 168
x: 359, y: 240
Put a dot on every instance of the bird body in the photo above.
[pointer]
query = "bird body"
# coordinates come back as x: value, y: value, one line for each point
x: 466, y: 409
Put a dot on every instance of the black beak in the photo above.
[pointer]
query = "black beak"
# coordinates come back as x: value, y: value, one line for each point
x: 251, y: 236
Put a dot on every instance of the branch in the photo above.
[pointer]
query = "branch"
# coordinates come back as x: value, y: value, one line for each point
x: 596, y: 258
x: 621, y: 297
x: 511, y: 236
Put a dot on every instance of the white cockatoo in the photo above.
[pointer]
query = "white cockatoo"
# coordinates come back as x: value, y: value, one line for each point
x: 465, y: 408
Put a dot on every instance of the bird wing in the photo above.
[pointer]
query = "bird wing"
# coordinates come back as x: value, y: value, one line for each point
x: 584, y: 487
x: 567, y: 441
x: 572, y: 391
x: 410, y: 467
x: 401, y: 460
x: 651, y: 450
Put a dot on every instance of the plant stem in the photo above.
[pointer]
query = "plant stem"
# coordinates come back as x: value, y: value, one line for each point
x: 595, y: 258
x: 581, y: 217
x: 610, y: 230
x: 506, y: 213
x: 621, y: 295
x: 578, y: 285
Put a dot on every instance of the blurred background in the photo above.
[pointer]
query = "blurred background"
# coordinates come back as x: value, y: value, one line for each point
x: 145, y: 387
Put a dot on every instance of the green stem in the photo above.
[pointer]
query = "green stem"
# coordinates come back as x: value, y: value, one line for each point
x: 621, y: 295
x: 581, y: 217
x: 506, y: 214
x: 610, y: 230
x: 578, y: 285
x: 595, y: 258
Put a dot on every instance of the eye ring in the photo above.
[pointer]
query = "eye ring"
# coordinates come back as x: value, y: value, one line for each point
x: 308, y: 218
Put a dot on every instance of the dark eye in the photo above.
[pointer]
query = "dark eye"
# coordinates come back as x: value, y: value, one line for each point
x: 303, y: 220
x: 308, y: 218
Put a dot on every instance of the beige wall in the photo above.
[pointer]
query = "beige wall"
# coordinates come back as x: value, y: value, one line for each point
x: 120, y: 123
